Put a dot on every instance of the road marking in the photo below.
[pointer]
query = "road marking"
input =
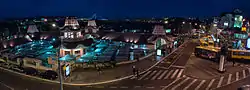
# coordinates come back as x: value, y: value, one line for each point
x: 150, y: 87
x: 202, y: 82
x: 151, y: 74
x: 177, y: 66
x: 123, y: 87
x: 179, y: 75
x: 179, y: 84
x: 157, y: 74
x: 112, y: 87
x: 190, y: 84
x: 221, y: 79
x: 229, y: 79
x: 11, y: 88
x: 176, y: 71
x: 137, y: 86
x: 144, y: 75
x: 161, y: 67
x: 162, y: 74
x: 244, y: 74
x: 237, y: 76
x: 169, y: 73
x: 171, y: 83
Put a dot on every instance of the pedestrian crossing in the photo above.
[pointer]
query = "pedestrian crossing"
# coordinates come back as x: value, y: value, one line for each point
x: 187, y: 83
x: 160, y: 74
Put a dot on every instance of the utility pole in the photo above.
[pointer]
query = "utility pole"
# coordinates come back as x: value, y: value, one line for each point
x: 59, y: 64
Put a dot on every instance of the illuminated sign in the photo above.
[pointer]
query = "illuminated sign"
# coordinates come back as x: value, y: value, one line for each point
x: 244, y: 29
x: 67, y: 70
x: 248, y: 43
x: 225, y: 24
x: 168, y: 30
x: 158, y: 52
x: 238, y: 21
x: 131, y: 57
x: 240, y: 36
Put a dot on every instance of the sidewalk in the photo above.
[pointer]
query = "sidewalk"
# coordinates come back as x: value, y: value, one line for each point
x: 92, y: 76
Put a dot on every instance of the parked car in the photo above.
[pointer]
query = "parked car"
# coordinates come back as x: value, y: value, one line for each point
x: 51, y: 75
x: 30, y: 71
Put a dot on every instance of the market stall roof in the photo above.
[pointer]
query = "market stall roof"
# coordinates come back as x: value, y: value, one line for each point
x: 67, y: 58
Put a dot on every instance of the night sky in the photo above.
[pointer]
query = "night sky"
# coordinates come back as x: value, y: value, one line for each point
x: 120, y: 8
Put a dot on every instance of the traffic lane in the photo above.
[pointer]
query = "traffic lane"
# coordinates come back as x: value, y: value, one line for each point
x: 5, y: 87
x: 22, y: 82
x: 236, y: 85
x: 201, y: 68
x: 188, y: 50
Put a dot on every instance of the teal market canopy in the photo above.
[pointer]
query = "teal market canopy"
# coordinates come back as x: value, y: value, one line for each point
x: 68, y: 58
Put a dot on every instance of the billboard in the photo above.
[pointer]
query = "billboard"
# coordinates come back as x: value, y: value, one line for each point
x: 248, y: 43
x: 67, y: 70
x: 238, y: 21
x: 158, y: 52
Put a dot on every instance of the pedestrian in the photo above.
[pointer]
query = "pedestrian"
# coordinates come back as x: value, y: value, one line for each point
x: 137, y: 73
x: 233, y: 62
x: 99, y: 70
x: 134, y: 70
x: 137, y: 58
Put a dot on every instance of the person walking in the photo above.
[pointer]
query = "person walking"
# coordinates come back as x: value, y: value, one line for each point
x: 233, y: 62
x: 99, y: 70
x: 134, y: 70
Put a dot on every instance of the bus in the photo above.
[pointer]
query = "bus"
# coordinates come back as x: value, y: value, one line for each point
x: 239, y: 54
x: 207, y: 52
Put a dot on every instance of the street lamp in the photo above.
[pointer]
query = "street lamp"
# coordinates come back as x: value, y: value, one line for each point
x: 53, y: 25
x: 183, y: 22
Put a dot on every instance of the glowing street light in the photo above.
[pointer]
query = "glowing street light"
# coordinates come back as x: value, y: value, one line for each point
x: 53, y: 25
x: 166, y: 22
x: 183, y: 22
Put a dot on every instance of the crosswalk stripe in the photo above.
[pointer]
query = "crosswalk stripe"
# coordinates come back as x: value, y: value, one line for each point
x: 157, y: 74
x: 175, y: 72
x: 177, y: 66
x: 244, y: 73
x: 144, y: 75
x: 169, y: 73
x: 162, y: 74
x: 237, y: 76
x: 179, y: 84
x: 210, y: 84
x: 179, y: 74
x: 150, y: 75
x: 190, y: 84
x: 198, y: 87
x: 229, y: 79
x: 221, y: 79
x: 171, y: 83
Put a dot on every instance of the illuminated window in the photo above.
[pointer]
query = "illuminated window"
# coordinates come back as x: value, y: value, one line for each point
x: 65, y: 35
x: 78, y: 34
x: 67, y: 52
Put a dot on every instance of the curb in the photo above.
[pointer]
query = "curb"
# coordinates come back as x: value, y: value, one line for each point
x: 97, y: 83
x: 132, y: 61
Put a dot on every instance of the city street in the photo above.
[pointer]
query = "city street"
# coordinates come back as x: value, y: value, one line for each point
x: 170, y: 74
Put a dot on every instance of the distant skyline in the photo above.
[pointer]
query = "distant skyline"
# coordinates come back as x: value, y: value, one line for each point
x: 114, y: 9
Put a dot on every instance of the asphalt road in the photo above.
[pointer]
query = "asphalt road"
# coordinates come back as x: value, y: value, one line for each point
x: 163, y: 76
